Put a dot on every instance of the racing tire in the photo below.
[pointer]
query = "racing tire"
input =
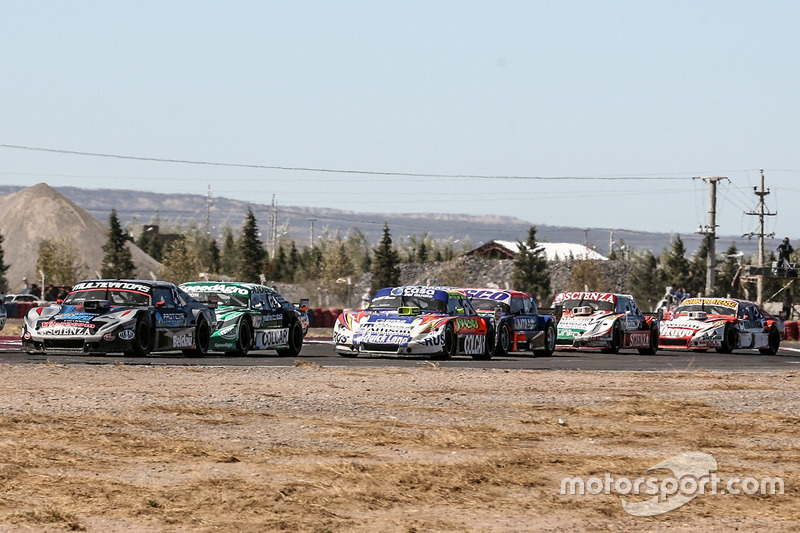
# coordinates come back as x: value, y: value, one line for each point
x: 773, y: 343
x: 616, y: 339
x: 450, y: 343
x: 653, y: 348
x: 202, y: 340
x: 549, y: 341
x: 295, y: 343
x: 502, y: 344
x: 141, y: 339
x: 728, y: 340
x: 245, y: 339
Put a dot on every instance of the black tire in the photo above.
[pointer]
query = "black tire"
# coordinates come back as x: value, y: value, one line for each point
x: 549, y: 341
x: 450, y: 344
x: 142, y: 339
x: 245, y: 339
x: 653, y: 348
x: 773, y: 343
x: 729, y: 339
x: 502, y: 345
x: 295, y: 343
x: 616, y: 339
x: 202, y: 340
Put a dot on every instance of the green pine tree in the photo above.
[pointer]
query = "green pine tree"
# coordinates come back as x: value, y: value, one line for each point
x: 3, y: 268
x: 385, y: 263
x: 646, y: 280
x: 250, y: 251
x: 228, y: 261
x: 530, y: 273
x: 676, y: 266
x: 117, y: 261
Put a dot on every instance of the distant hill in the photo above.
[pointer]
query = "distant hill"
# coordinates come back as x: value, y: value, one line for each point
x: 139, y: 207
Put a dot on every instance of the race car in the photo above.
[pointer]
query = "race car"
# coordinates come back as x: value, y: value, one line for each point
x: 250, y: 316
x: 134, y: 317
x: 603, y: 320
x: 724, y: 324
x: 518, y: 324
x: 431, y: 322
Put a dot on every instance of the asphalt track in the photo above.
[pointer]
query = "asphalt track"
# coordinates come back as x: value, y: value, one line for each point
x: 320, y: 351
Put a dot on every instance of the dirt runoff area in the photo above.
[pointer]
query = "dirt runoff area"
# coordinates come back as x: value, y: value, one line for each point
x: 305, y: 448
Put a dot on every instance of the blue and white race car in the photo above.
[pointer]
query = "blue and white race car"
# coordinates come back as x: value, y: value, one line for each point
x: 435, y: 322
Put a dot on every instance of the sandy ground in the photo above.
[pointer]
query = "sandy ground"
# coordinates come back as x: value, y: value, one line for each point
x: 307, y: 448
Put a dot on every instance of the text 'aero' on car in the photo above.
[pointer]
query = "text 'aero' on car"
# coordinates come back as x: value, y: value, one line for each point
x: 603, y: 320
x: 434, y: 322
x: 724, y: 324
x: 135, y: 317
x: 518, y: 324
x: 249, y: 316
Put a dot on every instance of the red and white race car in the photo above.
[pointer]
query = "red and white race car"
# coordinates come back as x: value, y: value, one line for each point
x: 724, y: 324
x: 603, y: 320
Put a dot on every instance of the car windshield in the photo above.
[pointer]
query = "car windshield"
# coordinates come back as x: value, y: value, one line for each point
x: 708, y: 308
x: 219, y: 298
x: 114, y: 296
x: 430, y: 305
x: 594, y: 304
x: 485, y: 304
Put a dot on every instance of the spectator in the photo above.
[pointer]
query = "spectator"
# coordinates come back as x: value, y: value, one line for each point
x: 784, y: 251
x: 788, y: 303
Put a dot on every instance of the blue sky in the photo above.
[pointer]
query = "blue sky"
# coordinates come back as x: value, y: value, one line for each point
x: 443, y: 106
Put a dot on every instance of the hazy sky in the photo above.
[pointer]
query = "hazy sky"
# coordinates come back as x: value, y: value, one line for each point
x: 430, y: 106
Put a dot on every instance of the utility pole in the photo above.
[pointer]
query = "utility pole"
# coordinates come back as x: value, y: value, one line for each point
x: 710, y: 232
x: 761, y: 213
x: 311, y: 236
x: 208, y: 212
x: 273, y: 228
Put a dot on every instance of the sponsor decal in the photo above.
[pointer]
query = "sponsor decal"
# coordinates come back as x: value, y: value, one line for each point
x: 467, y: 323
x: 425, y: 292
x: 566, y: 333
x: 76, y: 317
x: 60, y: 329
x: 126, y: 334
x: 183, y: 341
x: 383, y: 338
x: 338, y: 338
x: 523, y: 322
x: 217, y: 288
x: 172, y: 319
x: 640, y: 339
x: 67, y: 323
x: 272, y: 337
x: 485, y: 294
x: 226, y: 332
x: 710, y: 301
x: 436, y: 340
x: 474, y: 344
x: 671, y: 332
x: 111, y: 285
x: 592, y: 296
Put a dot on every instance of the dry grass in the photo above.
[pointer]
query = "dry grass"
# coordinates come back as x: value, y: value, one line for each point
x: 337, y: 450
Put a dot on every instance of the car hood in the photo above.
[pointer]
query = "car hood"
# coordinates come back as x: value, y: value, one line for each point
x: 70, y: 319
x: 584, y: 322
x: 683, y: 326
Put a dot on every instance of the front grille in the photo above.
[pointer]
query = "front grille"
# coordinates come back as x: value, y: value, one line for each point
x: 370, y: 347
x: 673, y: 342
x: 64, y: 344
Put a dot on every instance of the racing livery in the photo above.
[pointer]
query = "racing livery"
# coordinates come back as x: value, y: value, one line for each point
x: 134, y: 317
x: 604, y: 320
x: 434, y: 322
x: 518, y: 324
x: 250, y: 316
x: 724, y: 324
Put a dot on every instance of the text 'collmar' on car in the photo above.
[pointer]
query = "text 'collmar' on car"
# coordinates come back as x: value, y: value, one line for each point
x: 722, y: 324
x: 250, y: 317
x: 134, y: 317
x: 604, y: 320
x: 415, y: 321
x: 519, y: 326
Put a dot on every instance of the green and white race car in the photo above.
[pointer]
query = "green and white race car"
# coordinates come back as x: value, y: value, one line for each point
x: 249, y: 317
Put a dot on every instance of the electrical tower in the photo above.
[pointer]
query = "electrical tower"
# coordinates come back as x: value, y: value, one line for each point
x: 761, y: 213
x: 710, y: 232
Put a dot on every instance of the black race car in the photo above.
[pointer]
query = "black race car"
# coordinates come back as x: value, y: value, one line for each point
x: 134, y: 317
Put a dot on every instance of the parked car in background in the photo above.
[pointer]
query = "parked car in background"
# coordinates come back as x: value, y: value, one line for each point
x: 724, y: 324
x: 250, y: 316
x: 433, y: 322
x: 603, y: 320
x: 519, y: 326
x: 3, y: 316
x: 134, y: 317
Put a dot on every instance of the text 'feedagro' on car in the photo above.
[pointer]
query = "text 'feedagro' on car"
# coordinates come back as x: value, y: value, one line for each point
x: 250, y: 317
x: 134, y: 317
x: 415, y: 321
x: 722, y: 324
x: 518, y: 324
x: 603, y: 320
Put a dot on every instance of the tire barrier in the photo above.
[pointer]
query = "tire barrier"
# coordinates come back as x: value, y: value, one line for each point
x: 792, y: 330
x: 19, y: 309
x: 324, y: 318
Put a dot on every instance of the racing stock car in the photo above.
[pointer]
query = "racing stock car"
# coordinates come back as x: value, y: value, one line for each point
x: 432, y: 322
x: 250, y: 316
x: 724, y: 324
x: 134, y: 317
x: 518, y: 324
x: 604, y: 320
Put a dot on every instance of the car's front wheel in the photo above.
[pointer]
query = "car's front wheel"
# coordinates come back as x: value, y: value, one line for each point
x: 141, y: 339
x: 729, y: 340
x: 244, y: 340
